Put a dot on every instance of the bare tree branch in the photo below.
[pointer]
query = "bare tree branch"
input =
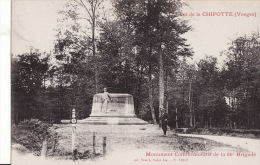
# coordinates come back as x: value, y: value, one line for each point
x: 85, y: 7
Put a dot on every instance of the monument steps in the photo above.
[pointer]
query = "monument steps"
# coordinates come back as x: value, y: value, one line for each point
x: 111, y: 120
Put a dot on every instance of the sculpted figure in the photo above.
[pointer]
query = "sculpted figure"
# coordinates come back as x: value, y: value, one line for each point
x: 105, y: 100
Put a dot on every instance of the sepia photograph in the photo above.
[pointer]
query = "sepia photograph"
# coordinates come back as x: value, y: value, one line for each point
x: 135, y: 82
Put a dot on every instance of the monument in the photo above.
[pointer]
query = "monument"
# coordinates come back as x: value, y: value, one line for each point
x: 118, y: 105
x: 113, y: 108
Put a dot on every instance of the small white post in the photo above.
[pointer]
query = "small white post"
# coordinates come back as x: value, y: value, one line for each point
x: 73, y: 137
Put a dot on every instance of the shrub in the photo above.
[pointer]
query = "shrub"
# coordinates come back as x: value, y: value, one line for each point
x: 31, y: 133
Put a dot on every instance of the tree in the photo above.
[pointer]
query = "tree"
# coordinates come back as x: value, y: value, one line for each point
x: 155, y: 25
x: 210, y: 91
x: 28, y: 76
x: 242, y: 70
x: 82, y: 14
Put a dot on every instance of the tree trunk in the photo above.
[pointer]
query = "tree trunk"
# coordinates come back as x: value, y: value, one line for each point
x: 194, y: 118
x: 161, y: 83
x: 16, y: 120
x: 94, y: 54
x: 151, y: 101
x: 151, y: 87
x: 139, y: 92
x: 176, y: 122
x: 166, y: 89
x: 190, y: 103
x: 210, y: 122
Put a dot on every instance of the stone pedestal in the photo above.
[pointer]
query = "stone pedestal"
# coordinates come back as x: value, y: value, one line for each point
x: 120, y: 111
x: 120, y: 105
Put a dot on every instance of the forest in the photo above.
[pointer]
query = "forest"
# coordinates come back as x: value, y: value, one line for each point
x: 137, y: 48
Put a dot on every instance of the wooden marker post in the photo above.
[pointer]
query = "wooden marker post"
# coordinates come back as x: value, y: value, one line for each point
x: 94, y: 142
x: 104, y: 146
x: 44, y: 148
x: 53, y: 145
x: 73, y: 137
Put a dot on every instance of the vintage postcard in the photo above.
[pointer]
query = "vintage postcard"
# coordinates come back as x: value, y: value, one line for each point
x: 135, y: 82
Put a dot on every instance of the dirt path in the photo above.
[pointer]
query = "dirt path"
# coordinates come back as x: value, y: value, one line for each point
x: 252, y: 145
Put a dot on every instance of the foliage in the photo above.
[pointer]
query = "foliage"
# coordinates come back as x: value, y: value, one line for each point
x: 140, y: 51
x: 31, y: 134
x: 28, y: 75
x: 242, y: 84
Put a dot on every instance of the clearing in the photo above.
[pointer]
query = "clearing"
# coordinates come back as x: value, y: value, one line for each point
x: 129, y: 144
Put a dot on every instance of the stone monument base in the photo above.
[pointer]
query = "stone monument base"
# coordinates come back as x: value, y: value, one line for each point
x: 109, y: 120
x: 118, y: 110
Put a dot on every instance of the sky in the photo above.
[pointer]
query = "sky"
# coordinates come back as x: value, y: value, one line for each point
x: 34, y: 23
x: 213, y: 34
